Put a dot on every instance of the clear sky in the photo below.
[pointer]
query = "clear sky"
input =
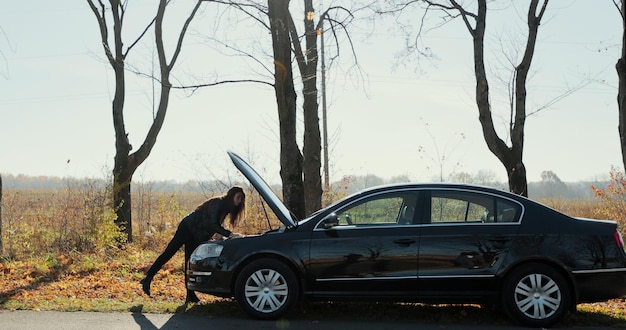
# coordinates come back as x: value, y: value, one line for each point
x: 389, y: 120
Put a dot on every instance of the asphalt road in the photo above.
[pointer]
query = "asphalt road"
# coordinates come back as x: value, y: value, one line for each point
x: 10, y: 320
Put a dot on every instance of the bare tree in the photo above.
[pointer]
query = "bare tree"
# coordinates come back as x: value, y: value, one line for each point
x: 621, y: 92
x: 307, y: 62
x: 125, y: 162
x: 510, y: 157
x: 300, y: 171
x: 290, y: 157
x: 475, y: 22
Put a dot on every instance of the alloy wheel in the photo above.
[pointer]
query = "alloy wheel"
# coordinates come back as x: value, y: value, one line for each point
x: 266, y: 290
x: 537, y: 296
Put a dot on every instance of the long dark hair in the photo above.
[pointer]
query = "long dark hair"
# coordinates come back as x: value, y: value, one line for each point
x: 237, y: 213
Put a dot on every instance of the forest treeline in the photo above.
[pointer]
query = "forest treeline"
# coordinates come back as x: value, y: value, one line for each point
x: 549, y: 187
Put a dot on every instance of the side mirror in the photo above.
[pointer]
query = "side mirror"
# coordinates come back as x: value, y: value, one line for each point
x: 330, y: 221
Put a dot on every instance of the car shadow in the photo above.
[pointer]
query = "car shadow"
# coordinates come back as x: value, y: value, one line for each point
x: 364, y: 316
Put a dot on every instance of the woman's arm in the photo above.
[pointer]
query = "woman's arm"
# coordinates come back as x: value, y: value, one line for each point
x: 215, y: 221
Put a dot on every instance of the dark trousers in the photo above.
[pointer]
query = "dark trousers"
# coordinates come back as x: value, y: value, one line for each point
x: 181, y: 237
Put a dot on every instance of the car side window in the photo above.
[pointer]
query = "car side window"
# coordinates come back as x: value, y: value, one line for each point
x: 456, y: 209
x: 467, y: 207
x: 507, y: 211
x: 381, y: 210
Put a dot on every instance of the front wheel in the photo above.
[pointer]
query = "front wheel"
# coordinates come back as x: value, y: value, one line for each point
x: 536, y: 295
x: 266, y: 289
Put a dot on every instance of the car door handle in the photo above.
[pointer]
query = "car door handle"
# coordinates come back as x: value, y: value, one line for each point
x: 404, y: 241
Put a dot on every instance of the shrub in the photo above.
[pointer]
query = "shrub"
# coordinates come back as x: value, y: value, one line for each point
x: 41, y: 221
x: 613, y: 199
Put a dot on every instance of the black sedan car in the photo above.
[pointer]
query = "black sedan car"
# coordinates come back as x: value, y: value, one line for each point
x: 432, y: 243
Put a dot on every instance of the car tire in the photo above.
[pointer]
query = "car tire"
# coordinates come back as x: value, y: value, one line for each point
x: 536, y: 295
x: 266, y: 289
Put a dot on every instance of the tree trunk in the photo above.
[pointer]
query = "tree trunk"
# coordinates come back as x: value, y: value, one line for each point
x: 516, y: 172
x: 621, y: 92
x: 122, y: 175
x: 122, y: 202
x: 312, y: 140
x: 290, y: 157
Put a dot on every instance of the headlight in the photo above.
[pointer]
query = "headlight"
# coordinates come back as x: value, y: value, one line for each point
x: 207, y: 250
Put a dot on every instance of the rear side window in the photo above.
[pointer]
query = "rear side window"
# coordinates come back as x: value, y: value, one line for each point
x: 507, y: 211
x: 448, y: 206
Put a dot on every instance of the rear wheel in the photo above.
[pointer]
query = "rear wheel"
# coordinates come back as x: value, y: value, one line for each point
x: 266, y: 289
x: 536, y: 295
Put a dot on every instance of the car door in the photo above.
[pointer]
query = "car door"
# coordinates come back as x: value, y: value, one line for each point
x: 464, y: 240
x: 371, y: 251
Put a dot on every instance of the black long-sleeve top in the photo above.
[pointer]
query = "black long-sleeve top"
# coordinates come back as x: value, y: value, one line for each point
x: 203, y: 223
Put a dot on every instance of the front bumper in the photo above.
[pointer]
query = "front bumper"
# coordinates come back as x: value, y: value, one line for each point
x: 206, y: 276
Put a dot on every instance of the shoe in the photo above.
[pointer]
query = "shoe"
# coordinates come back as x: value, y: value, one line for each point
x: 191, y: 297
x: 145, y: 286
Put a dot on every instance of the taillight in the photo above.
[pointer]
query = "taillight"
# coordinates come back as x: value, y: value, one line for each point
x: 618, y: 239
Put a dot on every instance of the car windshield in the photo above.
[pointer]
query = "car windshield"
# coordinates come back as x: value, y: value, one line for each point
x: 322, y: 210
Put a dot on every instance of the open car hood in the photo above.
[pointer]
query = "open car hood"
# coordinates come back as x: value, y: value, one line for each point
x: 264, y: 190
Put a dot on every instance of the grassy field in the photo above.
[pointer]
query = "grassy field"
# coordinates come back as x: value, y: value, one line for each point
x: 60, y: 253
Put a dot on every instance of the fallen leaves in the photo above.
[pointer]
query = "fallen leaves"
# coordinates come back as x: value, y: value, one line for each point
x: 81, y: 282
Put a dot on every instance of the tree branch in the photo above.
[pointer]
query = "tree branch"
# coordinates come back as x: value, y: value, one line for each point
x: 182, y: 34
x: 243, y: 7
x: 102, y: 23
